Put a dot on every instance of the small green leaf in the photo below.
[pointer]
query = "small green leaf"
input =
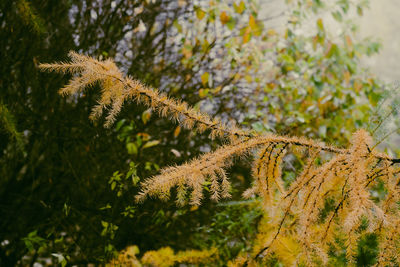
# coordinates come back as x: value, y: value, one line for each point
x: 359, y: 10
x: 337, y: 16
x: 29, y: 245
x: 135, y: 179
x: 151, y: 143
x: 320, y: 25
x: 203, y: 93
x: 258, y: 126
x: 239, y: 8
x: 146, y: 115
x: 204, y: 78
x: 108, y: 206
x: 119, y: 125
x: 231, y: 24
x: 113, y: 185
x: 59, y: 240
x: 200, y: 13
x: 132, y: 149
x: 178, y: 26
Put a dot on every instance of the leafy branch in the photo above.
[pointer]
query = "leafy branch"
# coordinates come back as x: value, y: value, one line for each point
x: 292, y: 213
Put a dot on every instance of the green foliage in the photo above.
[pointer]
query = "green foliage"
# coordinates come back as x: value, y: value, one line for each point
x: 231, y: 229
x: 33, y: 241
x: 367, y: 250
x: 29, y: 17
x: 317, y: 80
x: 7, y: 122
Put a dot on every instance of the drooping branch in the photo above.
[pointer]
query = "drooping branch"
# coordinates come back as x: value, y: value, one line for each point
x: 347, y: 177
x: 118, y: 88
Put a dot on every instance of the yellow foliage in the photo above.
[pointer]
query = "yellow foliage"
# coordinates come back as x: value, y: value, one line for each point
x: 165, y: 257
x: 287, y: 250
x: 292, y: 228
x: 127, y: 257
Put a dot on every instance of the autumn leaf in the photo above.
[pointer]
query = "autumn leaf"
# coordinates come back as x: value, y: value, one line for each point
x: 204, y: 78
x: 357, y: 85
x: 246, y: 35
x: 239, y: 8
x: 224, y: 18
x: 203, y: 93
x: 271, y: 32
x: 200, y: 13
x: 252, y: 22
x: 248, y: 78
x: 146, y: 116
x: 349, y: 43
x: 177, y: 131
x: 320, y: 25
x: 151, y: 143
x: 346, y: 76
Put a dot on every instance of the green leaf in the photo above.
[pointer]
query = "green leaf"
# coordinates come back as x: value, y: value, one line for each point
x: 337, y: 16
x: 231, y: 24
x: 132, y: 170
x: 113, y: 185
x: 287, y: 58
x: 108, y: 206
x: 359, y: 10
x: 239, y: 8
x: 200, y: 13
x: 132, y: 149
x: 146, y: 115
x: 246, y: 35
x: 258, y: 126
x: 151, y: 143
x: 59, y: 240
x: 204, y: 78
x: 320, y: 25
x: 135, y: 179
x: 29, y: 245
x: 178, y: 26
x: 203, y: 93
x: 119, y: 124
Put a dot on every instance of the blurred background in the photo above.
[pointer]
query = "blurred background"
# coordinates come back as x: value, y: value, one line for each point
x: 379, y: 21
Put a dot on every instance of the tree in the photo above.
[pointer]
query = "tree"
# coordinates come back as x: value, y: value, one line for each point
x: 47, y: 188
x: 296, y: 217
